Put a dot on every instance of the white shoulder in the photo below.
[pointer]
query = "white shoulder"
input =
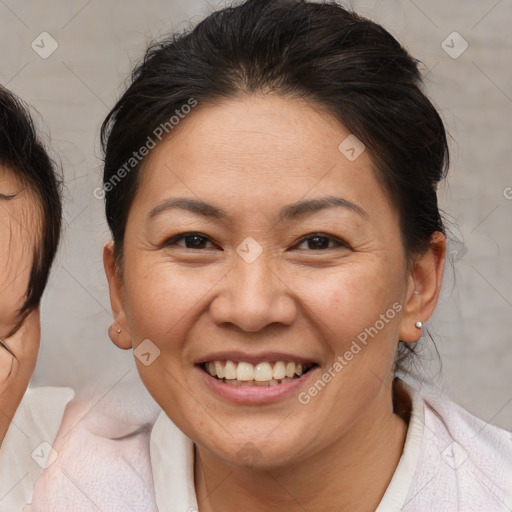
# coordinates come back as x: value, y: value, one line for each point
x: 103, y: 455
x: 466, y: 460
x: 27, y: 446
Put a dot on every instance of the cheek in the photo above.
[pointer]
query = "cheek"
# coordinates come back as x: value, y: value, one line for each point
x: 163, y: 298
x: 15, y: 268
x: 352, y: 298
x: 356, y: 311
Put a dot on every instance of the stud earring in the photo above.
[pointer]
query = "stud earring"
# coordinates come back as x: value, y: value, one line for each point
x: 118, y: 331
x: 419, y: 325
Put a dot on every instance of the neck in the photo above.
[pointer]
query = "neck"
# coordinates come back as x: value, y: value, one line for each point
x: 352, y: 473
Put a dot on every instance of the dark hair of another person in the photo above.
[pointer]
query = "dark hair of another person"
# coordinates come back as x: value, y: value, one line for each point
x: 323, y: 53
x: 23, y: 154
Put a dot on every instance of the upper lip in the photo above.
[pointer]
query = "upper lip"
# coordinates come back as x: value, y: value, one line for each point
x: 235, y: 355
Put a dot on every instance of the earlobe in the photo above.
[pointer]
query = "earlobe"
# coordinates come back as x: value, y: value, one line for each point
x: 119, y: 337
x: 425, y: 283
x: 118, y: 332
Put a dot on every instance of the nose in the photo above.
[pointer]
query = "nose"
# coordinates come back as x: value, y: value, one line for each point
x: 252, y: 296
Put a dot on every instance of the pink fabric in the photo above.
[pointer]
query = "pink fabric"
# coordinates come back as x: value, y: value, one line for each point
x: 104, y: 462
x: 465, y: 463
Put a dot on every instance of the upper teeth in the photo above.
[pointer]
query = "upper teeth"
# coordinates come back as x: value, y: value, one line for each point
x: 243, y: 371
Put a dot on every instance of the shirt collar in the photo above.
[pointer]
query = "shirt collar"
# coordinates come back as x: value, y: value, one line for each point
x: 398, y: 488
x: 172, y: 463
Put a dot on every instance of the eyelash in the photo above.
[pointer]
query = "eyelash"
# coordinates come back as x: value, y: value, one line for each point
x: 310, y: 236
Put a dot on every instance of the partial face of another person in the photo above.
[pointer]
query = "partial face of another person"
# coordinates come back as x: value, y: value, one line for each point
x: 268, y: 273
x: 20, y: 227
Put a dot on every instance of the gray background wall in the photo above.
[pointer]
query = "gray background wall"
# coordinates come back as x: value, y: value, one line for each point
x: 98, y: 44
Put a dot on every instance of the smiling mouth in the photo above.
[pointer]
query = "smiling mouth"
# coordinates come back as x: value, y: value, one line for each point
x: 240, y: 373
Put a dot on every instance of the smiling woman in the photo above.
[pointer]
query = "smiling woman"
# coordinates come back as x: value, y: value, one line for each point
x: 282, y: 241
x: 275, y: 226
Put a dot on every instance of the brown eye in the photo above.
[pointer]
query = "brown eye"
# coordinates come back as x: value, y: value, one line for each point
x: 320, y: 241
x: 192, y: 240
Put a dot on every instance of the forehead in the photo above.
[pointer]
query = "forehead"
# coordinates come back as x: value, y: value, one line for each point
x: 9, y: 179
x: 274, y: 134
x: 254, y: 152
x: 19, y: 205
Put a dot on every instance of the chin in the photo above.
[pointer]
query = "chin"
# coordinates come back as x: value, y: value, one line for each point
x: 265, y: 451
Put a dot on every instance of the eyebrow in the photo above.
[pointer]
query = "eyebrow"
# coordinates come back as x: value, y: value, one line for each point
x: 288, y: 212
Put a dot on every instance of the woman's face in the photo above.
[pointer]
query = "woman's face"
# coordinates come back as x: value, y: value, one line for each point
x: 19, y: 227
x: 248, y: 289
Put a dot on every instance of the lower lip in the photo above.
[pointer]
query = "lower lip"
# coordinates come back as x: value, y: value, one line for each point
x: 255, y: 394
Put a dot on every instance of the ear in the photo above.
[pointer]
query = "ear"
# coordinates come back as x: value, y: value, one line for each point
x: 115, y: 284
x: 424, y: 288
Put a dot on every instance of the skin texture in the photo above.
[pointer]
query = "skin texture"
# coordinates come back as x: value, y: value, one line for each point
x: 251, y: 156
x: 19, y: 225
